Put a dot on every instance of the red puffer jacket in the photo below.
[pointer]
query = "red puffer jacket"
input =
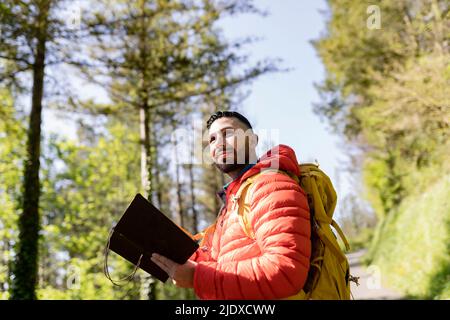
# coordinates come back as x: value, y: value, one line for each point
x: 275, y: 264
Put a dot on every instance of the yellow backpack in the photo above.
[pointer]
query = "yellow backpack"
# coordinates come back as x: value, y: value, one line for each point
x: 329, y: 274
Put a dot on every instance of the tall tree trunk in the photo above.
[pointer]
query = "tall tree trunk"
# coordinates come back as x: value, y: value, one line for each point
x: 193, y: 201
x: 192, y: 184
x: 153, y: 292
x: 149, y: 285
x: 156, y: 174
x: 178, y: 186
x: 145, y: 150
x: 26, y: 261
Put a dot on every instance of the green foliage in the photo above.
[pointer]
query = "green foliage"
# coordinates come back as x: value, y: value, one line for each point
x: 32, y: 36
x: 357, y: 222
x: 12, y: 150
x: 87, y: 184
x: 386, y: 92
x: 82, y: 199
x: 413, y: 249
x: 384, y: 182
x: 361, y: 240
x: 157, y: 58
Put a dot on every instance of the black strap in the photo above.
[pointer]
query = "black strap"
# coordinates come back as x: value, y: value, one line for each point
x: 125, y: 279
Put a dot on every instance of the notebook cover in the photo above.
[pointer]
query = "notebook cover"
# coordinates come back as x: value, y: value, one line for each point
x: 144, y: 229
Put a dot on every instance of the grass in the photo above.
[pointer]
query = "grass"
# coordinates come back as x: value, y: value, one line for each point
x: 412, y: 246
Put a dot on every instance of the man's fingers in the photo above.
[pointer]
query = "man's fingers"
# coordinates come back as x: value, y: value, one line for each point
x: 164, y: 263
x: 160, y: 264
x: 163, y: 259
x: 181, y: 275
x: 157, y: 259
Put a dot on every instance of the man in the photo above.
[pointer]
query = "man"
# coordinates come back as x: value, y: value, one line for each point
x: 231, y: 265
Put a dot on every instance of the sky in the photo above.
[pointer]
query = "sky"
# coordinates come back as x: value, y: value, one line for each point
x: 281, y: 101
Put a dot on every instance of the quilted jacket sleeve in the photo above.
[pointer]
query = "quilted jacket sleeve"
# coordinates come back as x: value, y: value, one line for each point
x: 280, y: 219
x: 201, y: 255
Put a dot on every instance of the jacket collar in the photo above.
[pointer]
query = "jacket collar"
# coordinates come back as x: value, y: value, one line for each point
x: 222, y: 193
x: 280, y: 157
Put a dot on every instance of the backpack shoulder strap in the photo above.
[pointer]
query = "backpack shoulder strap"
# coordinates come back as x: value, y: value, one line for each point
x: 317, y: 184
x: 241, y: 204
x: 241, y: 200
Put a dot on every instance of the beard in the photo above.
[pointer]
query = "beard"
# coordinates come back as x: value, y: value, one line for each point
x: 226, y: 166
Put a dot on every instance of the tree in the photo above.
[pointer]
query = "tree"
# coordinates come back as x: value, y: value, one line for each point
x: 33, y: 38
x: 84, y: 196
x: 12, y: 151
x: 385, y: 89
x: 25, y: 267
x: 163, y: 54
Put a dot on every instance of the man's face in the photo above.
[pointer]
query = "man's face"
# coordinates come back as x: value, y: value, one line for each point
x: 230, y: 142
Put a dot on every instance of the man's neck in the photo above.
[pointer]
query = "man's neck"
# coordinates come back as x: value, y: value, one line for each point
x: 235, y: 173
x: 240, y: 171
x: 252, y: 159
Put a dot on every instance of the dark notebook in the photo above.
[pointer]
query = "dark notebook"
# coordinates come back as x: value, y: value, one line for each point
x: 143, y: 229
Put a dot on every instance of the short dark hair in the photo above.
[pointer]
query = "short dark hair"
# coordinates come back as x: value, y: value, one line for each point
x: 227, y: 114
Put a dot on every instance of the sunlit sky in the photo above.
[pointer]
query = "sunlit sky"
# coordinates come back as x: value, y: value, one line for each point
x: 281, y: 101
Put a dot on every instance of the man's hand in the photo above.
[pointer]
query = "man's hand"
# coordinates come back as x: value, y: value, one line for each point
x: 181, y: 274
